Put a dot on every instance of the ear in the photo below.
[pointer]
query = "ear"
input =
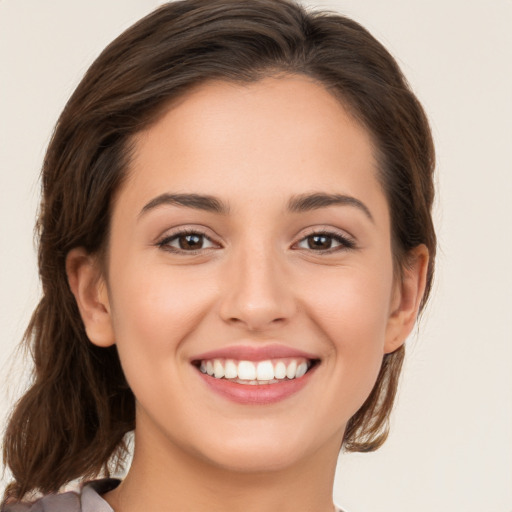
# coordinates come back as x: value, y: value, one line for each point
x: 407, y: 297
x: 90, y: 290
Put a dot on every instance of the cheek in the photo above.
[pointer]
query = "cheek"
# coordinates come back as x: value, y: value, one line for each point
x: 154, y: 312
x: 154, y: 309
x: 351, y: 312
x: 352, y: 306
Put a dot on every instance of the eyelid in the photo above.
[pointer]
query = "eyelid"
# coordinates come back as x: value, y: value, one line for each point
x: 328, y: 229
x: 345, y: 240
x: 173, y: 234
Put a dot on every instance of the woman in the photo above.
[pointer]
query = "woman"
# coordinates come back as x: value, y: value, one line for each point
x: 235, y: 242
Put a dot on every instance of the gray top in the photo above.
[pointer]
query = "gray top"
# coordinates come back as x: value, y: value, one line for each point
x: 88, y: 499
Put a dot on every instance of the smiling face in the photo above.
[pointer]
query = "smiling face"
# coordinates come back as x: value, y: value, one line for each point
x: 250, y: 244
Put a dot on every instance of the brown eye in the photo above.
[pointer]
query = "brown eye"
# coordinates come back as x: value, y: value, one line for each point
x: 321, y: 242
x: 187, y: 242
x: 190, y: 242
x: 326, y: 242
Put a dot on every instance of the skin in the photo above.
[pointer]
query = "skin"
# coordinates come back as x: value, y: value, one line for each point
x: 255, y: 281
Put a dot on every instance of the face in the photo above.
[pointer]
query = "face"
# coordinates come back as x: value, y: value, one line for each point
x: 250, y: 244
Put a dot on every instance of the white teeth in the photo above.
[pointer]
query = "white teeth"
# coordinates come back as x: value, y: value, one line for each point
x: 231, y: 370
x: 265, y: 370
x: 218, y: 369
x: 301, y: 370
x: 291, y: 370
x: 261, y: 372
x: 280, y: 370
x: 246, y: 370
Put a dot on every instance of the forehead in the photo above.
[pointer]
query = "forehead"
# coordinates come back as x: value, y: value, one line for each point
x: 274, y: 137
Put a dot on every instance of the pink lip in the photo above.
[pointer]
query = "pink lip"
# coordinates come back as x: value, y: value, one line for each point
x: 254, y: 353
x: 256, y: 395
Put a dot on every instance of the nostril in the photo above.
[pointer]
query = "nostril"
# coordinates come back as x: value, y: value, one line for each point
x: 256, y: 325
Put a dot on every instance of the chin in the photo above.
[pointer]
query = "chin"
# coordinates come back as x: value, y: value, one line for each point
x: 255, y: 459
x: 266, y: 450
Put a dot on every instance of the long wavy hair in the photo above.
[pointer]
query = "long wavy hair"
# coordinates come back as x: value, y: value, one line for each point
x: 72, y: 421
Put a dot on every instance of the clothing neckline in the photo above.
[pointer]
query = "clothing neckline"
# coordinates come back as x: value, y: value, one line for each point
x: 92, y: 495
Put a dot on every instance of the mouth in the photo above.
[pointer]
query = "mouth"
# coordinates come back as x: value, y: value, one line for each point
x: 256, y: 373
x: 248, y: 374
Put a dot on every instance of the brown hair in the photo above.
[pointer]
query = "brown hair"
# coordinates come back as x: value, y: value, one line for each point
x: 72, y: 420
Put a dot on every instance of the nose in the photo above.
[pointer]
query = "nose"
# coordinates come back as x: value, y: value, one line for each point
x: 257, y: 293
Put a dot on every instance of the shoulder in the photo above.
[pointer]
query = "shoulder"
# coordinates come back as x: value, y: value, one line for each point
x: 87, y: 499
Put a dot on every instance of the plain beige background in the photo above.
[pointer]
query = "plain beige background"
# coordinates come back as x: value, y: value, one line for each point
x: 451, y: 444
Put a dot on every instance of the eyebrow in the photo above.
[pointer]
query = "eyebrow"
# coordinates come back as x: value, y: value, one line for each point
x: 197, y: 201
x: 315, y: 201
x: 296, y: 204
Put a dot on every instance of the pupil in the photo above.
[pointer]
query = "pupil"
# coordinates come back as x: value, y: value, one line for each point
x: 319, y: 242
x: 190, y: 242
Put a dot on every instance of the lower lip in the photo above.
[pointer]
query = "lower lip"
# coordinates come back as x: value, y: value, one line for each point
x: 256, y: 394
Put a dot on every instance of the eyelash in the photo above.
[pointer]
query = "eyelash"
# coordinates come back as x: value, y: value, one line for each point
x: 345, y: 243
x: 164, y: 242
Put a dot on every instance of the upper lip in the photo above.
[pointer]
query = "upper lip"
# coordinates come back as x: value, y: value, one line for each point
x: 248, y: 352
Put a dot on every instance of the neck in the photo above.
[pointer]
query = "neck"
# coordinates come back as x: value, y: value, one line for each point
x: 174, y: 480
